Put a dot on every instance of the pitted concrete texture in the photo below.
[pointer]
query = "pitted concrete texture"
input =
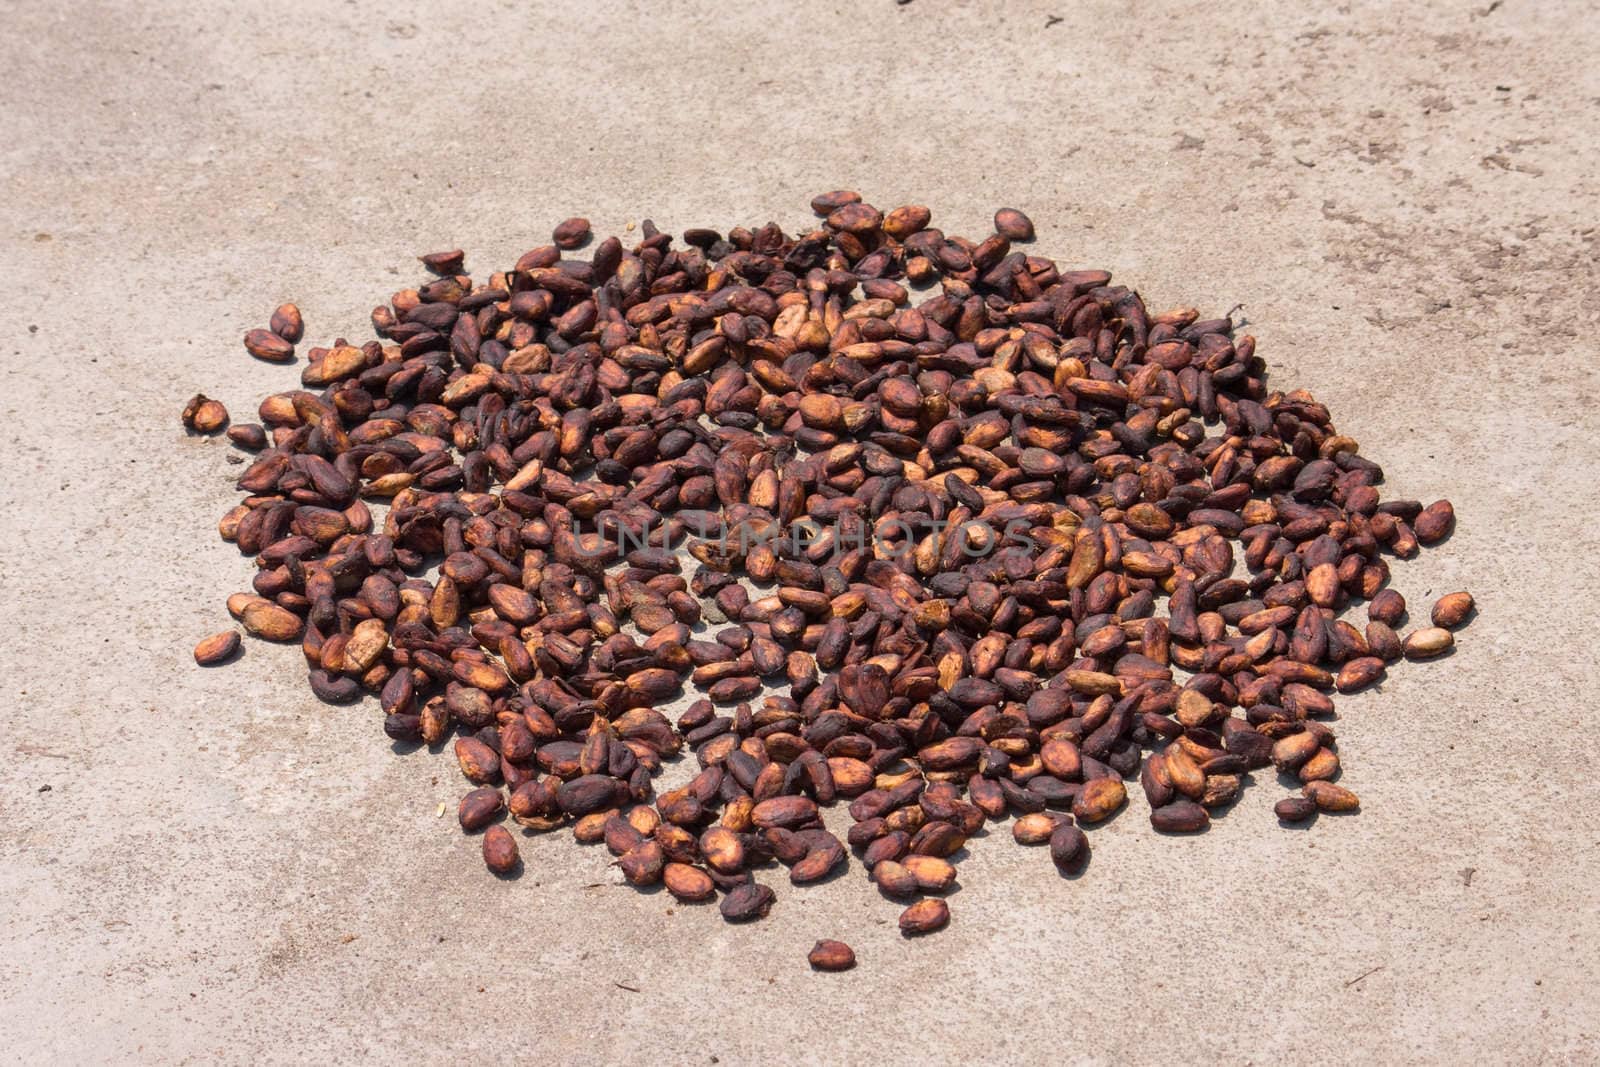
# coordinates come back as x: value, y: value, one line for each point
x: 210, y: 865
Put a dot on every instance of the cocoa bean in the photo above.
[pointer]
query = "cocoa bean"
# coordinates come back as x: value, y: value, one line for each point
x: 831, y: 956
x: 689, y: 884
x: 479, y: 808
x: 1428, y: 642
x: 1034, y: 829
x: 1295, y: 809
x: 500, y: 850
x: 1180, y: 817
x: 1099, y: 799
x: 1013, y: 225
x: 204, y: 415
x: 572, y: 233
x: 217, y: 648
x: 747, y: 902
x: 1329, y: 797
x: 925, y: 917
x: 1452, y: 609
x: 264, y: 344
x: 287, y: 324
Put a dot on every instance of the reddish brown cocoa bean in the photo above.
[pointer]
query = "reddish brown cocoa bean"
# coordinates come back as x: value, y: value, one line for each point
x: 643, y: 865
x: 479, y: 762
x: 572, y: 233
x: 1034, y: 829
x: 287, y: 324
x: 217, y: 648
x: 264, y: 344
x: 1099, y: 799
x: 500, y: 853
x: 1388, y: 607
x: 689, y: 884
x: 828, y: 955
x: 479, y: 808
x: 1452, y: 609
x: 1435, y: 522
x: 204, y: 415
x: 248, y: 436
x: 933, y: 874
x: 925, y: 917
x: 1013, y: 225
x: 1329, y: 797
x: 444, y: 263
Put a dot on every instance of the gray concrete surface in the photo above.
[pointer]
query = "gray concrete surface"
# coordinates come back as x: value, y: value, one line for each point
x: 202, y: 866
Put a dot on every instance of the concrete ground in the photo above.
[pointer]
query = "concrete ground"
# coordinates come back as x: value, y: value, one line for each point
x: 210, y: 865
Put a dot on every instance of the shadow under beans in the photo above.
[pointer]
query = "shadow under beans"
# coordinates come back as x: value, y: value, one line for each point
x: 1071, y: 872
x: 655, y: 889
x: 959, y: 856
x: 1445, y: 540
x: 340, y: 700
x: 1321, y: 814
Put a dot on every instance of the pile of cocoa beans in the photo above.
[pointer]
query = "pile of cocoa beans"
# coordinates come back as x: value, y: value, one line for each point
x: 1054, y: 543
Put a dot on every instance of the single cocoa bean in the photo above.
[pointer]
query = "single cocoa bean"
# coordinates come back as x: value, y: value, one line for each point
x: 831, y: 956
x: 217, y: 648
x: 1452, y: 609
x: 925, y: 917
x: 500, y: 850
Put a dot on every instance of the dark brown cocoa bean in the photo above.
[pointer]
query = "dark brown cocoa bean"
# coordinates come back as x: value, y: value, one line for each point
x: 747, y: 902
x: 1180, y: 817
x: 1295, y: 809
x: 1068, y: 846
